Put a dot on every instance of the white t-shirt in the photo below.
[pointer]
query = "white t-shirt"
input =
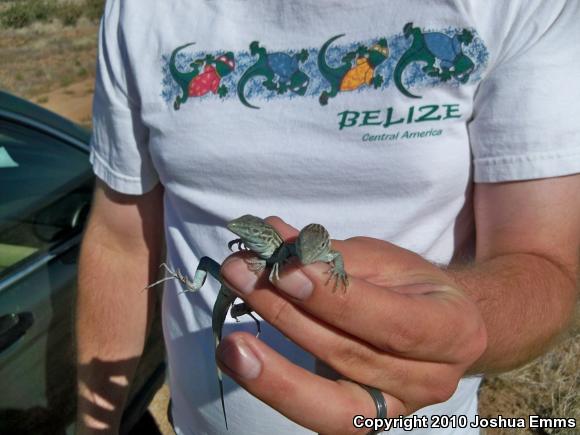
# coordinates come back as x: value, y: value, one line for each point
x: 371, y: 117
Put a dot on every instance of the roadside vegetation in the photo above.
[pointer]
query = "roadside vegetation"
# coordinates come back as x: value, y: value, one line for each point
x: 17, y: 14
x: 47, y: 45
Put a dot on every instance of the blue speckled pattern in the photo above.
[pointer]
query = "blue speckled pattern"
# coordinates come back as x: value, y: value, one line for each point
x: 284, y: 62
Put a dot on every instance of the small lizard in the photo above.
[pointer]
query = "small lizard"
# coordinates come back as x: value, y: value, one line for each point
x: 259, y: 237
x: 255, y: 235
x: 313, y: 244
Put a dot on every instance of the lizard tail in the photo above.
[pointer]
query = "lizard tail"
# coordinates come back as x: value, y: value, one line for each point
x: 221, y: 383
x: 181, y: 78
x: 252, y: 71
x: 403, y: 62
x: 328, y: 72
x: 217, y: 339
x: 220, y: 310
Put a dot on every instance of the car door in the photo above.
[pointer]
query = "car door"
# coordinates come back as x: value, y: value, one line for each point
x: 45, y: 190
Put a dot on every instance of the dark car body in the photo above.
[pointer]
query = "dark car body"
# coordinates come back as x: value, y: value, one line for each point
x: 46, y: 185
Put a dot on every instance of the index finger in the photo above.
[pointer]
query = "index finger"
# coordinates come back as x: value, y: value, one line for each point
x: 408, y: 307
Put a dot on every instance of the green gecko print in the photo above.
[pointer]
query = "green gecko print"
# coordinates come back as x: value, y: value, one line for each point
x: 434, y: 48
x: 280, y: 71
x: 204, y: 75
x: 357, y: 68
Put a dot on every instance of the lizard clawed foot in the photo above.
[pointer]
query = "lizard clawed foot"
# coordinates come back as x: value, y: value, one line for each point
x: 256, y: 264
x: 258, y: 326
x: 239, y: 242
x: 337, y: 275
x: 274, y: 273
x: 242, y: 309
x: 174, y: 275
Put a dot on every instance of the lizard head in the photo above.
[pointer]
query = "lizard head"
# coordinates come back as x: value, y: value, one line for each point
x: 313, y: 243
x: 257, y: 235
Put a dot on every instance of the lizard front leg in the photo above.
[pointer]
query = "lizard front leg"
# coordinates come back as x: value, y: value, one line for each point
x: 337, y: 270
x: 239, y: 242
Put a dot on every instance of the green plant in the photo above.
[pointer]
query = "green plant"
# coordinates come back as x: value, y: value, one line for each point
x: 93, y: 9
x: 16, y: 16
x: 69, y: 13
x: 82, y: 72
x: 23, y: 13
x: 41, y: 10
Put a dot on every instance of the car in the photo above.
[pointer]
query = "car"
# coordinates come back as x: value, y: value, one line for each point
x: 46, y: 186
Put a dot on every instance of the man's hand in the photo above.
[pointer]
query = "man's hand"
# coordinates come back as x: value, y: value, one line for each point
x: 402, y: 326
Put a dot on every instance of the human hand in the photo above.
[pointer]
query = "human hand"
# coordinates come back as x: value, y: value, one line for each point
x: 402, y: 326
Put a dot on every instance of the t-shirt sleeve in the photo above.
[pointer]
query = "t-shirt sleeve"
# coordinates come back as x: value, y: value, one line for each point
x: 526, y: 119
x: 120, y: 140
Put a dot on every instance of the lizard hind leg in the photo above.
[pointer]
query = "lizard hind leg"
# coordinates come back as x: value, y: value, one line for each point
x: 178, y: 275
x: 256, y: 264
x: 258, y: 326
x: 242, y: 309
x: 206, y: 265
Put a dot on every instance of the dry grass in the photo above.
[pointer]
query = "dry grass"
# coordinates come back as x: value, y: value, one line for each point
x: 46, y: 56
x: 55, y: 49
x: 548, y: 387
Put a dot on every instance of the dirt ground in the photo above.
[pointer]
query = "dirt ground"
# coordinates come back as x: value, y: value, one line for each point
x: 73, y: 102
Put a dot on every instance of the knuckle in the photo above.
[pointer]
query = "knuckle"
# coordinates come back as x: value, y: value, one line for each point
x: 470, y: 341
x: 278, y: 313
x: 479, y: 341
x: 443, y: 393
x: 404, y: 340
x: 347, y: 357
x: 476, y: 345
x: 441, y: 388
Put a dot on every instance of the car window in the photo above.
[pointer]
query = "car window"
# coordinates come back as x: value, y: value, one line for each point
x: 44, y: 192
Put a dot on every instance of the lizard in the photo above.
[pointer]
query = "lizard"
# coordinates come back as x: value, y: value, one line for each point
x: 197, y: 82
x: 435, y: 48
x: 256, y: 235
x: 281, y: 72
x: 313, y: 244
x: 358, y: 68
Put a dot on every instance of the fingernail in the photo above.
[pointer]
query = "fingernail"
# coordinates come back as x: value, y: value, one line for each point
x: 295, y: 284
x: 236, y: 272
x: 240, y: 359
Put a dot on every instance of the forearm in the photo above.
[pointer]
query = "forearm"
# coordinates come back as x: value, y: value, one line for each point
x: 526, y: 302
x: 113, y: 316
